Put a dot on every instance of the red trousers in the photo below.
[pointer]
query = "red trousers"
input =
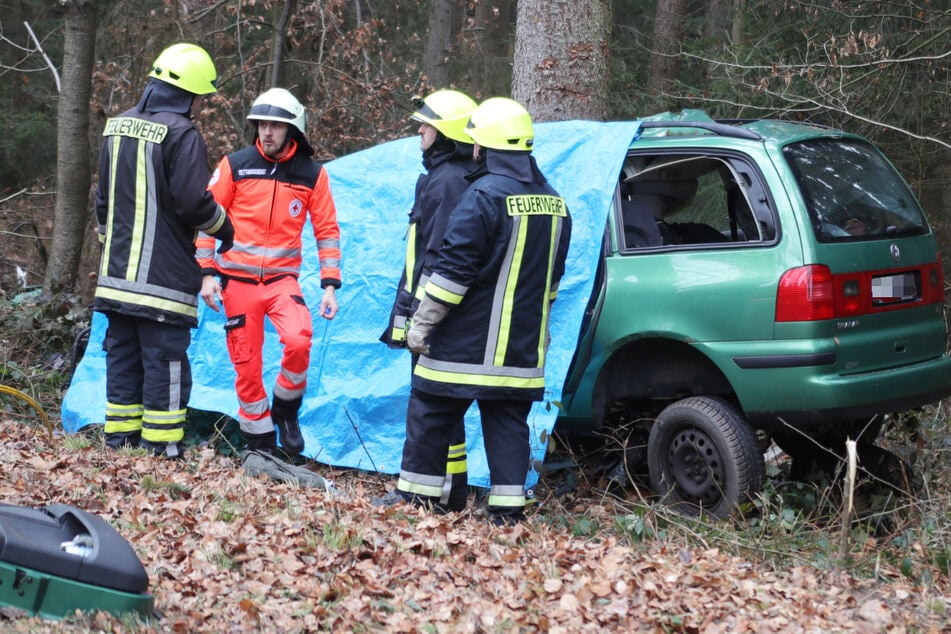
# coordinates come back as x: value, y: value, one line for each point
x: 246, y: 305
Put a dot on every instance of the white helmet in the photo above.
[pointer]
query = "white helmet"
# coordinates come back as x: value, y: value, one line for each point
x: 278, y: 104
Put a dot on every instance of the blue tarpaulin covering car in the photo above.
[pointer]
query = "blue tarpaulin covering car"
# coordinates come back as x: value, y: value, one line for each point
x: 353, y: 413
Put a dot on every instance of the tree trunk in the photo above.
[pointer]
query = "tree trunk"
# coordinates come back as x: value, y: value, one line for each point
x: 73, y: 206
x: 561, y: 58
x: 439, y: 38
x: 279, y: 43
x: 487, y: 48
x: 664, y: 58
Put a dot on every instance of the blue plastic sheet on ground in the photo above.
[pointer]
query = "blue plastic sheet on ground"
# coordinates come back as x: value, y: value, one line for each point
x: 353, y: 413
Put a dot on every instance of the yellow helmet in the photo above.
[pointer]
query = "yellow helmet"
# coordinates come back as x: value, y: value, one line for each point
x: 501, y: 124
x: 187, y: 66
x: 447, y: 111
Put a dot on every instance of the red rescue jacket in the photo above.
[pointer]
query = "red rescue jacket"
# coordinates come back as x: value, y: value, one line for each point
x: 268, y: 202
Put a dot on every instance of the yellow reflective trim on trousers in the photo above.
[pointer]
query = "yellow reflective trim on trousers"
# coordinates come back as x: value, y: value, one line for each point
x: 163, y: 426
x: 141, y: 204
x: 163, y: 435
x: 508, y: 297
x: 410, y: 261
x: 455, y: 467
x: 119, y: 426
x: 164, y: 417
x: 117, y: 409
x: 143, y: 300
x: 483, y: 380
x: 457, y: 451
x: 507, y: 501
x: 437, y: 292
x: 418, y: 489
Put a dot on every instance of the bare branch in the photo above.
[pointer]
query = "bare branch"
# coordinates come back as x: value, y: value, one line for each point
x: 39, y: 47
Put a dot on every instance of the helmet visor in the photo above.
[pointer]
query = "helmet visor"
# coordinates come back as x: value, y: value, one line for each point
x: 423, y: 113
x: 270, y: 113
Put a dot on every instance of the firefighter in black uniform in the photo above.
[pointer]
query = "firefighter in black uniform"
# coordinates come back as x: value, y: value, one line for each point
x: 447, y: 157
x: 481, y: 328
x: 151, y: 201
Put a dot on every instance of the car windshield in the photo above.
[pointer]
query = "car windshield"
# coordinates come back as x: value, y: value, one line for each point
x: 852, y: 192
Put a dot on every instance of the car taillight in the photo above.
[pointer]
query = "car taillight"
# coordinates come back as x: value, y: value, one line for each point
x: 811, y: 293
x: 805, y: 294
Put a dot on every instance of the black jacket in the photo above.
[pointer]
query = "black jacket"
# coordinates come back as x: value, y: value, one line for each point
x: 498, y: 269
x: 150, y: 202
x: 437, y: 192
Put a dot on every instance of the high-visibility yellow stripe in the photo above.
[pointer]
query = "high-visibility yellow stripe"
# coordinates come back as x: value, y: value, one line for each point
x: 141, y: 203
x: 418, y: 489
x: 482, y: 380
x: 454, y: 467
x: 546, y: 301
x: 410, y: 263
x: 111, y: 208
x: 508, y: 297
x: 447, y: 297
x: 120, y: 426
x: 167, y: 305
x: 116, y: 409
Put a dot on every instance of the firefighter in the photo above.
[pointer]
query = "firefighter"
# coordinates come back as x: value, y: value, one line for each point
x: 150, y: 201
x: 447, y: 158
x: 270, y: 189
x: 481, y: 328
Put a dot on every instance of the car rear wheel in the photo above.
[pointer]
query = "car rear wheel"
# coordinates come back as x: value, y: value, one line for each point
x: 704, y: 457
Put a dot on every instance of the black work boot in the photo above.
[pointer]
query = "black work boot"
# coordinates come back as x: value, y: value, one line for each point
x: 266, y: 442
x: 284, y: 416
x: 119, y: 439
x: 170, y: 450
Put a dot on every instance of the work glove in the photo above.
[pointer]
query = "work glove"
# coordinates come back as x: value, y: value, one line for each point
x: 429, y: 313
x: 226, y: 235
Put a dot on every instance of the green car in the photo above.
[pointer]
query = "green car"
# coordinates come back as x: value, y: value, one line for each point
x: 759, y: 280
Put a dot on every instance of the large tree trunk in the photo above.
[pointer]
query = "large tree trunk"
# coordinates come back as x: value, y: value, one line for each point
x: 664, y: 58
x: 72, y: 164
x: 439, y: 38
x: 561, y: 58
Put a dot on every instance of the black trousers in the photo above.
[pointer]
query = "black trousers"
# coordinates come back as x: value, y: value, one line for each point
x: 431, y: 423
x: 148, y: 377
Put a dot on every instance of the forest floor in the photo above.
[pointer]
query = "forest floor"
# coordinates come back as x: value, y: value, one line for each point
x: 226, y: 552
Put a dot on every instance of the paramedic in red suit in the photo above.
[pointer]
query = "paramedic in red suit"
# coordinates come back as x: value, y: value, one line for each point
x: 269, y: 190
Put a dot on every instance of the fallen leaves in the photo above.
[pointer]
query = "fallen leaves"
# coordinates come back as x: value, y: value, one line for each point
x: 229, y: 553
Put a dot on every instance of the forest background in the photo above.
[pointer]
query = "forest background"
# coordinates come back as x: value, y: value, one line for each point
x: 878, y: 68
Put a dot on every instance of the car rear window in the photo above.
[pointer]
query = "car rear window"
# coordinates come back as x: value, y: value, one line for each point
x: 852, y: 192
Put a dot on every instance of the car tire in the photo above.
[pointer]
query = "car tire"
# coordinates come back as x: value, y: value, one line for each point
x: 704, y: 457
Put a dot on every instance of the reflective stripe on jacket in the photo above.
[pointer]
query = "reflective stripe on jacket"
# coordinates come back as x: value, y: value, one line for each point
x: 437, y: 192
x: 268, y: 203
x: 150, y: 202
x: 502, y: 257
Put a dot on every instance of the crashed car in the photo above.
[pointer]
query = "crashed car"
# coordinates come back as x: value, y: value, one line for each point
x: 758, y: 280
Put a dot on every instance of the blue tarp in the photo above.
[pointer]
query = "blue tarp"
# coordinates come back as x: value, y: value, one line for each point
x: 353, y: 413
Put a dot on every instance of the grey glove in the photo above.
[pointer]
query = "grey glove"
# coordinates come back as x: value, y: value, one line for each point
x: 429, y: 313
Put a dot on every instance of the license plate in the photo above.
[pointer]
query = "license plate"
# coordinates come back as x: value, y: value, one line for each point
x: 893, y: 289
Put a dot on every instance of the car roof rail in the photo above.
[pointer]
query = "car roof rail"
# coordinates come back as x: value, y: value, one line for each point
x: 720, y: 129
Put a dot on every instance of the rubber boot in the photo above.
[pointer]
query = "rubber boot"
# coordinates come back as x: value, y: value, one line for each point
x: 284, y: 416
x: 266, y: 442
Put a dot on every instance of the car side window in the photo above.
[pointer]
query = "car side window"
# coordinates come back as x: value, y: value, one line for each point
x: 686, y: 200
